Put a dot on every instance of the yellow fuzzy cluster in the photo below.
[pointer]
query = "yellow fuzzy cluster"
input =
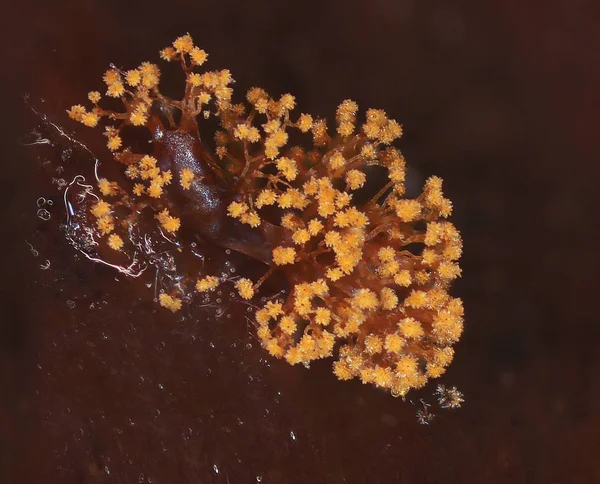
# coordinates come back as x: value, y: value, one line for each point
x: 359, y: 288
x: 284, y: 255
x: 245, y: 288
x: 102, y: 212
x: 397, y: 326
x: 115, y: 242
x: 168, y: 222
x: 148, y: 178
x: 207, y: 283
x: 170, y: 302
x: 186, y: 178
x: 242, y: 212
x: 87, y: 118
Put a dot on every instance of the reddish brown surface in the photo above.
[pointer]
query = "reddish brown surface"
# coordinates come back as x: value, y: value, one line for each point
x: 499, y: 99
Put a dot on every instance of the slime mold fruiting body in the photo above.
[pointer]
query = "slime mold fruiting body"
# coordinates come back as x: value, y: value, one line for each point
x: 367, y: 269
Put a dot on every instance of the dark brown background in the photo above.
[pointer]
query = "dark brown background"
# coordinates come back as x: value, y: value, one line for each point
x: 499, y: 98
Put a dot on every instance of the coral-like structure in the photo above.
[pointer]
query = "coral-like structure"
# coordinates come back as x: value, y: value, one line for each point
x: 368, y: 269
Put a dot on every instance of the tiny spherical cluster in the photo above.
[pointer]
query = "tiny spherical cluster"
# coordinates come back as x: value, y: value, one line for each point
x: 170, y: 302
x: 359, y: 290
x: 207, y: 283
x: 245, y: 288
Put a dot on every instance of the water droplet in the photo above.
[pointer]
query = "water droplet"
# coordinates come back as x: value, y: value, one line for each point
x: 228, y: 252
x: 216, y: 469
x: 141, y: 478
x: 40, y: 202
x: 259, y: 478
x: 292, y: 435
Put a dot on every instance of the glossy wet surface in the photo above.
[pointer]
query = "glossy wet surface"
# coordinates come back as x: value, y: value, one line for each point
x: 100, y: 385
